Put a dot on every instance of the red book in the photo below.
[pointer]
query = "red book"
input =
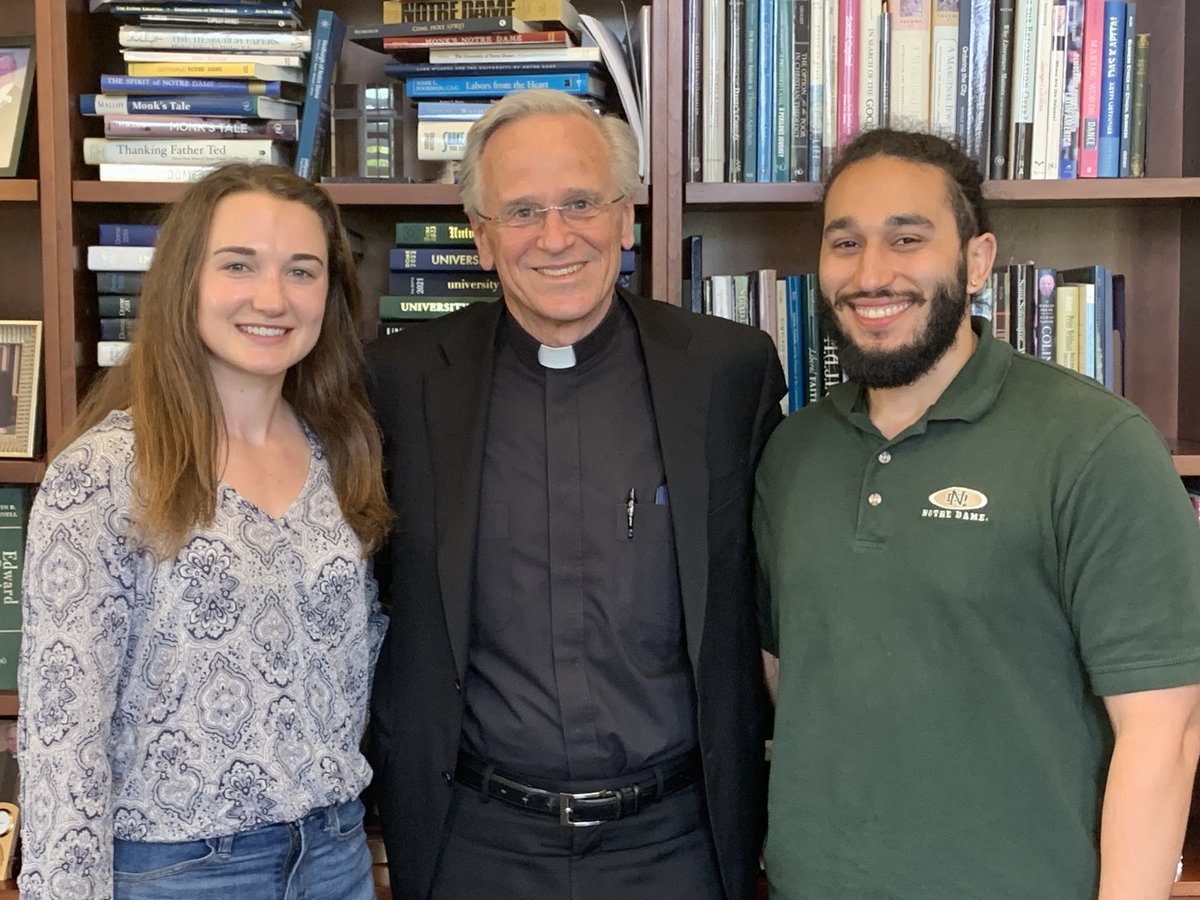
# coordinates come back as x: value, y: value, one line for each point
x: 848, y: 40
x: 421, y: 42
x: 1090, y: 81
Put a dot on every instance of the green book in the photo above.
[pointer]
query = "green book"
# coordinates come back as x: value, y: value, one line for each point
x: 392, y: 307
x: 12, y: 559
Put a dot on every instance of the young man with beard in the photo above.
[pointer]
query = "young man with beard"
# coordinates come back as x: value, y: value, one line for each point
x: 982, y: 585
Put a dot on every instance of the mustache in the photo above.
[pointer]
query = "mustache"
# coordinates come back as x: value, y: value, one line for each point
x: 842, y: 300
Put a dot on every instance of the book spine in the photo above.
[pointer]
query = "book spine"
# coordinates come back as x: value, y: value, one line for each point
x: 542, y: 11
x: 134, y: 126
x: 236, y: 106
x: 181, y: 39
x: 119, y: 282
x: 580, y: 85
x: 1124, y: 167
x: 442, y: 140
x: 179, y: 152
x: 848, y: 88
x: 1066, y: 326
x: 943, y: 67
x: 13, y: 512
x: 1041, y: 88
x: 441, y: 234
x: 1110, y: 89
x: 749, y: 124
x: 962, y: 91
x: 1002, y: 50
x: 1018, y: 305
x: 829, y: 110
x: 420, y: 42
x: 156, y: 172
x: 443, y: 284
x: 314, y: 116
x: 814, y: 386
x: 1047, y: 339
x: 735, y: 92
x: 712, y: 110
x: 785, y: 30
x: 979, y: 70
x: 131, y: 84
x: 1137, y: 128
x: 767, y: 89
x: 1068, y: 142
x: 795, y: 342
x: 816, y: 89
x: 868, y: 64
x: 1020, y: 140
x: 393, y: 307
x: 116, y: 329
x: 117, y: 306
x: 514, y: 56
x: 439, y: 28
x: 1056, y: 97
x: 693, y: 273
x: 909, y: 104
x: 241, y: 10
x: 119, y: 259
x: 113, y: 235
x: 798, y: 90
x: 1089, y: 89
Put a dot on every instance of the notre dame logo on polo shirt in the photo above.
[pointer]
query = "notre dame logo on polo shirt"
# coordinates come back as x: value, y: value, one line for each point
x: 959, y: 503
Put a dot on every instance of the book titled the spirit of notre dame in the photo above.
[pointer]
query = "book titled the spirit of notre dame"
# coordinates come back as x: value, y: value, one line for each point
x: 13, y: 506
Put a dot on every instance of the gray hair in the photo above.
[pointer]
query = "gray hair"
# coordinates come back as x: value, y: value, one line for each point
x: 523, y: 104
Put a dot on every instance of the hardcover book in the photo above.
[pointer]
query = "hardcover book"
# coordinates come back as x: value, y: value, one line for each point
x: 231, y: 105
x: 314, y: 117
x: 164, y: 126
x: 546, y: 13
x: 392, y: 307
x: 13, y: 513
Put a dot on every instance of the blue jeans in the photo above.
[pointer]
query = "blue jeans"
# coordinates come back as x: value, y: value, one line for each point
x: 324, y: 856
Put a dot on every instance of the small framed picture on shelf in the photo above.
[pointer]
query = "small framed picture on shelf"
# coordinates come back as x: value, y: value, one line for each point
x: 16, y: 87
x: 20, y: 370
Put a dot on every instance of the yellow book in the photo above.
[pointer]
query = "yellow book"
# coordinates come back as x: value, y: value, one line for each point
x: 1066, y: 326
x: 559, y: 13
x: 258, y: 71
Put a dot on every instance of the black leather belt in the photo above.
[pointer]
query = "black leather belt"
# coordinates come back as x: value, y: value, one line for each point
x: 587, y: 807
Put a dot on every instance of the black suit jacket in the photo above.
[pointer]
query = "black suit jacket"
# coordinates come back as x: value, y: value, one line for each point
x: 716, y: 388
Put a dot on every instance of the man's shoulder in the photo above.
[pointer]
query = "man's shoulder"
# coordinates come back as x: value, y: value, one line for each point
x: 1064, y: 396
x: 420, y: 343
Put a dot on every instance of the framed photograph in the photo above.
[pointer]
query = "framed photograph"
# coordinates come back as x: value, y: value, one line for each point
x: 20, y: 368
x: 16, y: 87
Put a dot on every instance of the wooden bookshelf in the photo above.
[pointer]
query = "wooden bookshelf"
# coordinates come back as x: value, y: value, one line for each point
x: 18, y: 190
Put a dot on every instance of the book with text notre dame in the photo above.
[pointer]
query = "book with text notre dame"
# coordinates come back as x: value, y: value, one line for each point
x: 13, y: 507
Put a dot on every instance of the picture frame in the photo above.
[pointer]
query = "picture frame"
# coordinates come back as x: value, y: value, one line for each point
x: 20, y: 383
x: 17, y: 60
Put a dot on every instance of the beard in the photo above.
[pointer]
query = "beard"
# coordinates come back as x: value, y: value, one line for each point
x: 903, y: 365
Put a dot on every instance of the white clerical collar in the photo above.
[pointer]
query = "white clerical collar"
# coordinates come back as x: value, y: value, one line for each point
x: 556, y: 357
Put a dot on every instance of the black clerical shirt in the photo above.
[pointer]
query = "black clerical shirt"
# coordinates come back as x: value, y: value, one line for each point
x: 577, y: 666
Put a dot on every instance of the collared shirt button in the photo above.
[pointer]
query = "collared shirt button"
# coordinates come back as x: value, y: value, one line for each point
x: 885, y: 457
x: 875, y: 499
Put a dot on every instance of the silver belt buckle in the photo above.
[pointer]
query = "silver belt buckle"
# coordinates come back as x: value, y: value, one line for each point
x: 565, y: 810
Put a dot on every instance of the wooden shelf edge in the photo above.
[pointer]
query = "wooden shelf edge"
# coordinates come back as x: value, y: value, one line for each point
x: 1186, y: 455
x: 8, y: 704
x: 1186, y: 889
x: 359, y: 194
x: 19, y: 189
x: 1080, y: 190
x: 22, y: 471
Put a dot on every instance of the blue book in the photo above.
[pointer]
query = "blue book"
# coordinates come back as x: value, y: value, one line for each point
x: 117, y: 306
x: 785, y: 30
x: 235, y: 106
x: 435, y: 111
x: 814, y: 382
x: 134, y: 84
x: 1123, y: 167
x: 117, y: 329
x: 500, y: 86
x: 456, y: 259
x: 750, y: 102
x: 128, y: 235
x: 314, y: 118
x: 403, y: 71
x: 765, y: 142
x: 795, y: 341
x: 1110, y: 89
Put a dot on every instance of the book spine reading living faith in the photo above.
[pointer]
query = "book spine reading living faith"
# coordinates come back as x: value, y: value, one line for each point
x: 13, y: 512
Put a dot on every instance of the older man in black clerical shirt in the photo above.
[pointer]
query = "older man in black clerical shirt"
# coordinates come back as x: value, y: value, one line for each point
x: 569, y: 701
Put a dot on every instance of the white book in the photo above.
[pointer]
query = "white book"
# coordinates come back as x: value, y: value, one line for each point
x: 829, y: 133
x: 868, y: 64
x: 645, y: 24
x: 181, y: 151
x: 780, y: 336
x: 152, y: 173
x: 712, y: 93
x: 442, y: 140
x: 184, y: 39
x: 1041, y: 87
x: 1058, y: 87
x: 287, y: 60
x: 722, y: 296
x: 490, y: 53
x: 618, y: 70
x: 818, y: 93
x: 1024, y: 62
x: 943, y: 73
x: 909, y: 104
x: 111, y: 353
x: 123, y: 258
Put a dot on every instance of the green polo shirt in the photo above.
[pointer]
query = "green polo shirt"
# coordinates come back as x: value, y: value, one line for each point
x: 948, y: 608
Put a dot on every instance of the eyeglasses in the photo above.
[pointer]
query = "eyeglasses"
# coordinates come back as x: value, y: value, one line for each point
x: 576, y: 211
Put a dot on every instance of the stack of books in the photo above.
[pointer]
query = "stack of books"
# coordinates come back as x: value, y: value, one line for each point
x: 454, y: 54
x: 120, y: 258
x: 203, y: 85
